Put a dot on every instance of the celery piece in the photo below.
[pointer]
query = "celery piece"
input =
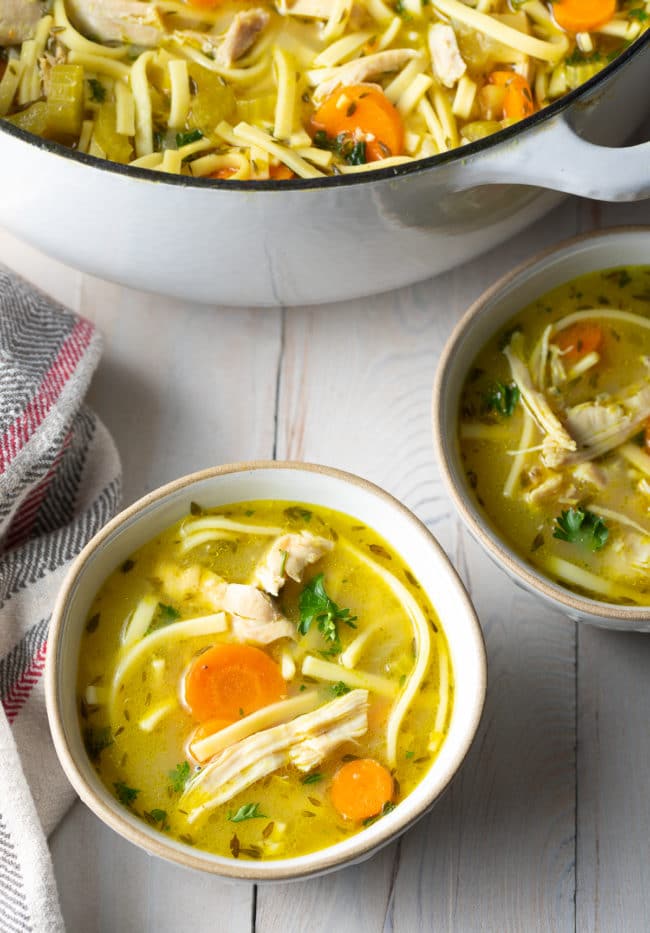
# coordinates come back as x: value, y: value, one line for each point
x: 65, y: 101
x: 116, y: 146
x: 34, y: 119
x: 212, y: 100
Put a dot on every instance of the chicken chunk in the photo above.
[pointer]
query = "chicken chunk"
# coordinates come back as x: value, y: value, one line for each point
x: 304, y: 742
x: 448, y: 63
x: 241, y: 35
x: 359, y: 70
x: 254, y: 617
x: 133, y: 21
x: 287, y: 558
x: 18, y: 19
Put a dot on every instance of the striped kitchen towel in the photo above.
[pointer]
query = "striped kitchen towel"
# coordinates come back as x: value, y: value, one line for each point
x: 59, y: 483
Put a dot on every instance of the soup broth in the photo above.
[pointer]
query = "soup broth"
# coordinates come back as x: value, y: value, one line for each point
x: 554, y: 433
x: 255, y: 725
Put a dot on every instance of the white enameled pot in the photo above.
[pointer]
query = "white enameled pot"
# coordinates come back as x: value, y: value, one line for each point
x: 301, y: 482
x: 625, y: 246
x: 306, y: 242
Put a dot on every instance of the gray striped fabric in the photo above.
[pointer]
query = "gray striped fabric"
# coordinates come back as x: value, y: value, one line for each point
x: 59, y: 483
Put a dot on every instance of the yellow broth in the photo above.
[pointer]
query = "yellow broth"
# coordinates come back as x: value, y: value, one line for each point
x: 530, y: 516
x: 298, y: 816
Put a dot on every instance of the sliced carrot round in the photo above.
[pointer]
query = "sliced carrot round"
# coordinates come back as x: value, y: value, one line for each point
x: 224, y: 173
x: 518, y: 98
x: 583, y: 15
x: 205, y: 4
x: 364, y: 113
x: 579, y: 339
x: 281, y: 172
x: 646, y: 437
x: 361, y: 788
x: 227, y: 682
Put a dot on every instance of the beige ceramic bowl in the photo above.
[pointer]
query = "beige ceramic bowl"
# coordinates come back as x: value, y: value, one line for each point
x: 240, y: 482
x: 625, y: 246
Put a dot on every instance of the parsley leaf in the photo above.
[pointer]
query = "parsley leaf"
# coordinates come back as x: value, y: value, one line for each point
x: 249, y: 811
x: 580, y: 526
x: 339, y: 689
x: 313, y: 778
x: 387, y: 808
x: 165, y: 615
x: 179, y: 776
x: 184, y: 139
x: 157, y: 818
x: 315, y: 605
x: 351, y: 151
x: 125, y: 794
x: 97, y: 90
x: 502, y: 398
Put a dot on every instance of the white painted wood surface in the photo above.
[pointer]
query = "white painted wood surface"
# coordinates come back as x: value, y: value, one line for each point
x: 547, y: 826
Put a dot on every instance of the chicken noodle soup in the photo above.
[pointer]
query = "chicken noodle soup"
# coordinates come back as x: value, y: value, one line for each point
x: 554, y: 432
x: 294, y: 88
x: 263, y: 681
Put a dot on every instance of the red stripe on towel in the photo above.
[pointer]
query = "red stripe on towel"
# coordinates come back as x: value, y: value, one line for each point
x: 19, y: 692
x: 24, y: 426
x: 24, y: 519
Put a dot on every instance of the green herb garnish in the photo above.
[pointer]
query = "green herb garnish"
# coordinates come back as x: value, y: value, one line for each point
x: 97, y: 90
x: 157, y: 817
x: 315, y: 605
x: 580, y: 526
x: 343, y: 145
x: 502, y: 398
x: 92, y: 623
x: 295, y: 513
x: 166, y: 614
x: 339, y: 689
x: 184, y: 139
x: 387, y: 808
x: 125, y: 794
x: 179, y: 777
x: 312, y: 778
x: 249, y: 811
x: 128, y: 565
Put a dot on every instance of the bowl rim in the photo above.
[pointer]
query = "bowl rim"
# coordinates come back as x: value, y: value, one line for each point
x: 532, y: 579
x: 311, y: 864
x: 461, y: 153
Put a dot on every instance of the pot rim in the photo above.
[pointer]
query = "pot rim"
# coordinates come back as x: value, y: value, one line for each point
x: 532, y: 580
x: 361, y: 845
x: 337, y: 181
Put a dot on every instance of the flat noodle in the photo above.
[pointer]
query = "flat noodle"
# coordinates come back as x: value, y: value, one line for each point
x: 142, y: 100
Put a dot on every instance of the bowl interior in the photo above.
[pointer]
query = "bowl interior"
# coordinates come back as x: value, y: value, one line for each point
x: 609, y: 249
x: 220, y: 487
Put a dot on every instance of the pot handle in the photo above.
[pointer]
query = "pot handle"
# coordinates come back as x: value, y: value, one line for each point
x: 561, y: 160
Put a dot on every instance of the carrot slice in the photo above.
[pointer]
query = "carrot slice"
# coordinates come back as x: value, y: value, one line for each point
x: 361, y: 788
x: 579, y: 339
x: 518, y: 99
x: 205, y: 4
x: 227, y: 682
x: 583, y: 15
x: 224, y: 173
x: 646, y: 437
x: 281, y: 172
x: 363, y: 113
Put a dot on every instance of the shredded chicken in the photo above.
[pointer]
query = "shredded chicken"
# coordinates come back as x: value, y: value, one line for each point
x: 18, y: 19
x: 241, y: 35
x: 287, y: 558
x: 304, y: 742
x: 600, y: 426
x: 132, y: 21
x: 447, y: 61
x: 536, y: 402
x: 548, y: 489
x: 370, y: 66
x: 588, y: 472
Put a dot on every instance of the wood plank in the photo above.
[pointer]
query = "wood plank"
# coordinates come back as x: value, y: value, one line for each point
x: 355, y: 391
x: 180, y: 388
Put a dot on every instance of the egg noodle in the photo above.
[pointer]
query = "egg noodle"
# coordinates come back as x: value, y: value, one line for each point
x: 306, y: 88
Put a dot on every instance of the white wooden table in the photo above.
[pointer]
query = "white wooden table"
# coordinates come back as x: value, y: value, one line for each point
x: 547, y: 827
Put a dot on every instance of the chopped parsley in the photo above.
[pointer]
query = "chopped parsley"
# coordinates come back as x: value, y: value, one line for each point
x: 388, y: 807
x: 316, y: 605
x: 125, y: 794
x: 249, y: 811
x: 350, y: 151
x: 313, y: 778
x: 339, y: 689
x: 503, y: 398
x: 92, y: 623
x: 165, y: 615
x: 157, y: 818
x: 580, y: 526
x: 295, y: 513
x: 128, y: 565
x: 184, y: 139
x: 97, y: 90
x: 179, y: 777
